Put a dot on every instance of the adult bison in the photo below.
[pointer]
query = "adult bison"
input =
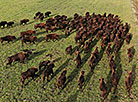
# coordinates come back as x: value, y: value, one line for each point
x: 53, y: 37
x: 19, y: 56
x: 7, y: 38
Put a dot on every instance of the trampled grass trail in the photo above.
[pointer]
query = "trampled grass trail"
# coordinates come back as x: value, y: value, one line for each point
x: 10, y: 85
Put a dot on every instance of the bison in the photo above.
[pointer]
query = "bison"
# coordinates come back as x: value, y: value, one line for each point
x: 10, y: 24
x: 3, y: 23
x: 68, y: 50
x: 81, y: 79
x: 61, y: 79
x: 27, y: 74
x: 28, y: 39
x: 43, y: 64
x: 7, y: 38
x: 24, y: 21
x: 19, y: 56
x: 48, y: 71
x: 78, y: 59
x: 128, y: 82
x: 52, y: 37
x: 103, y: 88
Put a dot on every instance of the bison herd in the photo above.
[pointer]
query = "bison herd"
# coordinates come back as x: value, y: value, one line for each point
x: 109, y: 29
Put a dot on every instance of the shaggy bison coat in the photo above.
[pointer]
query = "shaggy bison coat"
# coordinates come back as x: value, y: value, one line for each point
x: 28, y: 39
x: 19, y: 56
x: 81, y: 79
x: 61, y: 79
x: 43, y: 64
x: 53, y: 37
x: 103, y: 89
x: 24, y: 21
x: 128, y: 82
x: 7, y: 38
x: 27, y: 74
x: 68, y: 50
x: 48, y: 71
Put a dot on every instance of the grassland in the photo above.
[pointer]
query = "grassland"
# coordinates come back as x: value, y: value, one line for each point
x: 10, y: 86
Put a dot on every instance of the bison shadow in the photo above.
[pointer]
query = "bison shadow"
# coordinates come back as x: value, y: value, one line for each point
x: 89, y: 75
x: 133, y: 51
x: 73, y: 98
x: 88, y: 54
x: 133, y: 73
x: 64, y: 65
x: 40, y: 39
x: 119, y: 72
x: 35, y: 54
x: 39, y: 33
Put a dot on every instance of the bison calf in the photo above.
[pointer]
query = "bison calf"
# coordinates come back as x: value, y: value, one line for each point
x: 7, y: 38
x: 61, y: 79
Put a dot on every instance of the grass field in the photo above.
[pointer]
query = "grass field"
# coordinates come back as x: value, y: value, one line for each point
x: 10, y: 85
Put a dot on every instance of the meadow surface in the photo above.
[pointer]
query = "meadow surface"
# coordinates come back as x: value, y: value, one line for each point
x: 10, y: 85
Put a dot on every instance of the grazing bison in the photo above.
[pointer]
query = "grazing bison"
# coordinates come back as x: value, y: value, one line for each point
x: 7, y: 38
x: 3, y: 23
x: 68, y: 50
x: 28, y: 39
x: 48, y: 71
x: 128, y: 38
x: 108, y: 50
x: 52, y: 37
x: 10, y: 24
x: 43, y: 64
x: 40, y: 25
x: 24, y: 21
x: 28, y: 32
x: 114, y: 79
x: 27, y: 74
x: 130, y: 54
x: 103, y: 89
x: 47, y: 14
x: 19, y: 56
x: 67, y: 31
x: 61, y: 79
x: 37, y: 14
x: 81, y: 79
x: 128, y: 82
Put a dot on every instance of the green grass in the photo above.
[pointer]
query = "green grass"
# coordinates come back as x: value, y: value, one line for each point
x: 10, y: 86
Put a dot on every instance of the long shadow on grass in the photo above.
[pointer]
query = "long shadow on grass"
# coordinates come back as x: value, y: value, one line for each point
x: 40, y: 33
x: 119, y: 72
x: 133, y: 73
x: 40, y: 39
x: 89, y: 75
x: 64, y: 65
x: 87, y: 55
x: 133, y: 51
x: 84, y: 59
x: 35, y: 54
x: 73, y: 98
